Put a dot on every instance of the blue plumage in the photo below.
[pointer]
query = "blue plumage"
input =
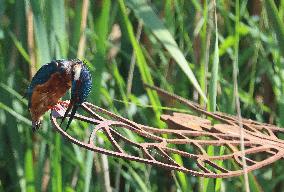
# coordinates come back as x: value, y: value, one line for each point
x: 81, y: 88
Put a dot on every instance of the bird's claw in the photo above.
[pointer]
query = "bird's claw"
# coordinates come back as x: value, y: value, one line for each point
x: 59, y: 105
x: 55, y: 107
x: 63, y: 103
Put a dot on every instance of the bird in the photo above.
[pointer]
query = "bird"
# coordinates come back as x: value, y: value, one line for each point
x: 51, y: 82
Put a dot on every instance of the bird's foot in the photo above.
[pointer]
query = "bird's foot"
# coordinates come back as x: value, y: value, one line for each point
x: 63, y: 103
x: 59, y: 105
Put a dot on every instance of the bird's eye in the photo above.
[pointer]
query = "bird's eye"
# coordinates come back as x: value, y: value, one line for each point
x: 56, y: 63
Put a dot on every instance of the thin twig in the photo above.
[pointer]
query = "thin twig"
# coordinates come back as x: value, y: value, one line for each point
x: 82, y: 41
x: 237, y: 99
x: 46, y: 176
x: 176, y: 180
x: 132, y: 62
x: 75, y: 178
x: 30, y: 39
x: 117, y: 177
x: 105, y: 169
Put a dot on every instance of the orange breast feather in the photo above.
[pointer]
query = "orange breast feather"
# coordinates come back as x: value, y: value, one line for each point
x: 48, y: 94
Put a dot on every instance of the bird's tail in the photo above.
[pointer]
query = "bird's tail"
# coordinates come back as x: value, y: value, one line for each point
x: 36, y: 124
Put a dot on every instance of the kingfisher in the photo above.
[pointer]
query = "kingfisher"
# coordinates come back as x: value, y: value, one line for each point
x: 51, y: 82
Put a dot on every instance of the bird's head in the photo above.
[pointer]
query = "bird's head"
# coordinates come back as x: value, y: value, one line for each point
x: 81, y: 87
x: 68, y: 67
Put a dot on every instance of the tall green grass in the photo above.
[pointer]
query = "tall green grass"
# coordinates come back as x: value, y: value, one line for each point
x: 182, y: 48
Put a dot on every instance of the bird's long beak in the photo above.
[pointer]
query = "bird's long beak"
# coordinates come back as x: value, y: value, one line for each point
x: 73, y: 106
x: 74, y: 109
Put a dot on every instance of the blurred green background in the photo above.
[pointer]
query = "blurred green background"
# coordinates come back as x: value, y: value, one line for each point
x: 177, y: 45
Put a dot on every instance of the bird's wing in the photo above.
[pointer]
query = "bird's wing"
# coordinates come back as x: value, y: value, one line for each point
x: 42, y: 76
